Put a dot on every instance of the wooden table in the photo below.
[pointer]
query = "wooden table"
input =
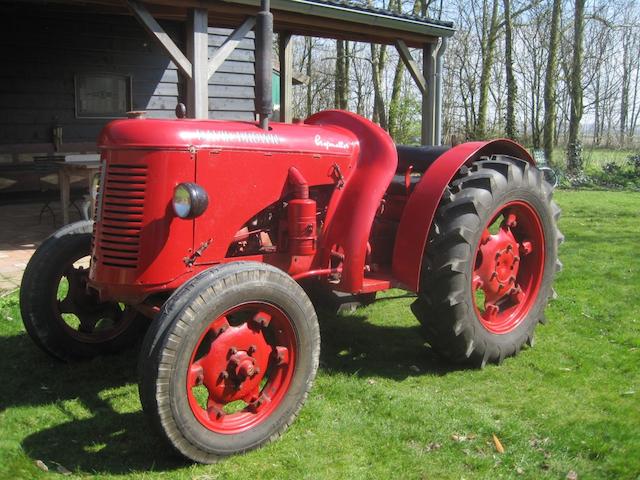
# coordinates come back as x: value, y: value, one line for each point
x: 85, y: 168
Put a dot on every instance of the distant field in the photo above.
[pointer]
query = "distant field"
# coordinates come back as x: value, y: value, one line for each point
x: 384, y: 407
x: 597, y: 157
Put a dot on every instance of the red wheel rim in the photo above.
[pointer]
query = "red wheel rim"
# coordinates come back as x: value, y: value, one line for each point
x: 80, y: 312
x: 508, y: 267
x: 241, y: 367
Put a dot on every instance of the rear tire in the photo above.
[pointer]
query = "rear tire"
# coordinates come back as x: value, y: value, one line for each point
x: 215, y: 378
x: 483, y: 292
x: 69, y: 323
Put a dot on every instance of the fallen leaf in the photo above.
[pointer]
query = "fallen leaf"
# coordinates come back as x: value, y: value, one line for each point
x: 520, y: 471
x: 458, y: 438
x: 496, y: 442
x: 572, y: 475
x: 433, y: 446
x: 414, y: 368
x: 371, y: 381
x: 41, y: 465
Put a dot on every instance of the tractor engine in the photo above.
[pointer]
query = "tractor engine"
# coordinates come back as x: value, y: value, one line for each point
x: 177, y: 197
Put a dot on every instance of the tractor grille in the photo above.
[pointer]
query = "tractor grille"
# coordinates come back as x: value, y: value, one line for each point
x: 122, y: 214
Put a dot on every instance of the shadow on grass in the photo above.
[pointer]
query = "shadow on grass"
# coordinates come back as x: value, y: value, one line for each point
x: 119, y: 443
x: 353, y: 345
x: 108, y: 441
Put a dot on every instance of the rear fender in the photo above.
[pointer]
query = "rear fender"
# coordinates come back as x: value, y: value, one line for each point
x: 421, y: 207
x: 354, y: 207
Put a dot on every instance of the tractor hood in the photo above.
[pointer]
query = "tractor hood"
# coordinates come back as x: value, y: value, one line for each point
x: 184, y: 134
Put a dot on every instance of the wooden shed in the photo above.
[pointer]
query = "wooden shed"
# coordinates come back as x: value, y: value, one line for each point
x: 71, y: 66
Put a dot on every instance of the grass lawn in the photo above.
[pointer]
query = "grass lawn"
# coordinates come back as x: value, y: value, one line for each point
x: 383, y: 406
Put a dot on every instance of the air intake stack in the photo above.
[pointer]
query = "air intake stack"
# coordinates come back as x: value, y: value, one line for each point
x: 264, y: 64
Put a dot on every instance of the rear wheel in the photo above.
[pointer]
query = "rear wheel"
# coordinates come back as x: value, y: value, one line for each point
x: 490, y: 262
x: 229, y: 361
x: 59, y: 313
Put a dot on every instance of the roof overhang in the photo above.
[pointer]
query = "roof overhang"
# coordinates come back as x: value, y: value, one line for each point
x: 317, y: 18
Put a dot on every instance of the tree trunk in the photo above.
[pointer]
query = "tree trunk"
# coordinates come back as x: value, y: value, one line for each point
x: 488, y: 50
x: 341, y: 78
x: 394, y: 101
x: 626, y: 81
x: 378, y: 60
x: 307, y: 46
x: 512, y: 88
x: 550, y: 82
x: 574, y: 147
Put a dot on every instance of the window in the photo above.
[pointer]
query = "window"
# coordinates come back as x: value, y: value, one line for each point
x: 102, y: 95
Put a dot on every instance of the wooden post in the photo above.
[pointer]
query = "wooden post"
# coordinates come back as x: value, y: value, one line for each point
x: 229, y: 45
x: 428, y: 97
x: 165, y: 41
x: 198, y: 54
x: 285, y: 51
x: 437, y: 128
x: 411, y: 65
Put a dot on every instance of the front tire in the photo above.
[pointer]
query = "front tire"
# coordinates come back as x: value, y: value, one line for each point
x: 58, y: 312
x: 229, y: 361
x: 490, y: 262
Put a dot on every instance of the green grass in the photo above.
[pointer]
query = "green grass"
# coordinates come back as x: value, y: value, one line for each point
x: 383, y: 406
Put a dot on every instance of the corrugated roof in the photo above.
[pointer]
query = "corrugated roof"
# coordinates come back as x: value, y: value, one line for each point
x: 382, y: 11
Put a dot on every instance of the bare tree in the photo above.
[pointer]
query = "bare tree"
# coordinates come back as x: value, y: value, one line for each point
x: 550, y: 82
x: 574, y: 154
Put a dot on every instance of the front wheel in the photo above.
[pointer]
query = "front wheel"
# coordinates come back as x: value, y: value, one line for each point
x: 61, y: 316
x: 490, y: 261
x: 229, y: 361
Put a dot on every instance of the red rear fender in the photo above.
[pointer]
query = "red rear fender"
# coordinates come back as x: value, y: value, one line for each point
x: 418, y: 214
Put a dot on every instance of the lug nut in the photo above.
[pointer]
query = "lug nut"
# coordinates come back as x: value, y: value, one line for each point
x: 252, y: 349
x: 511, y: 221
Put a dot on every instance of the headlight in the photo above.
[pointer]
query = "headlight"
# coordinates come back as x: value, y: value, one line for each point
x: 189, y: 200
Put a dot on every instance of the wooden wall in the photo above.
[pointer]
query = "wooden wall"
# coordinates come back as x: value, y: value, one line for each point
x: 43, y: 46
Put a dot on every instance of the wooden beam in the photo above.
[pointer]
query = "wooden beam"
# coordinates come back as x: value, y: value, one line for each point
x: 154, y: 28
x: 198, y: 52
x: 428, y: 97
x: 411, y: 65
x: 229, y: 45
x: 285, y: 52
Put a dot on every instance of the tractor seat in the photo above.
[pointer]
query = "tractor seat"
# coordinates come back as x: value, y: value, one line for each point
x: 420, y: 158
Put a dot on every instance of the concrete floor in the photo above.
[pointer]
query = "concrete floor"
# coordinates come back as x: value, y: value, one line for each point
x: 21, y: 231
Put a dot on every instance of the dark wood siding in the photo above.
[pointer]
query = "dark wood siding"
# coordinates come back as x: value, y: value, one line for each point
x: 43, y: 47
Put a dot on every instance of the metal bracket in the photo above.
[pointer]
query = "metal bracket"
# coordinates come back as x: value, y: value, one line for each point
x: 190, y: 260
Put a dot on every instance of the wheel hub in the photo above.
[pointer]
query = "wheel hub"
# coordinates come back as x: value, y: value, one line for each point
x: 249, y: 362
x: 235, y: 364
x: 508, y: 267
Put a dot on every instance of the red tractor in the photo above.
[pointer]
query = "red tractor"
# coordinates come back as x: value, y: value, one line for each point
x: 218, y: 230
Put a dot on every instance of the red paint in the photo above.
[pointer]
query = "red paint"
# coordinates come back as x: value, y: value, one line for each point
x: 252, y: 361
x: 250, y: 175
x: 508, y: 267
x: 422, y: 204
x: 353, y: 208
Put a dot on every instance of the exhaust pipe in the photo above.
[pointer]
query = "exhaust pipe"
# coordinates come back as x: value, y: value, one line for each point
x: 264, y: 64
